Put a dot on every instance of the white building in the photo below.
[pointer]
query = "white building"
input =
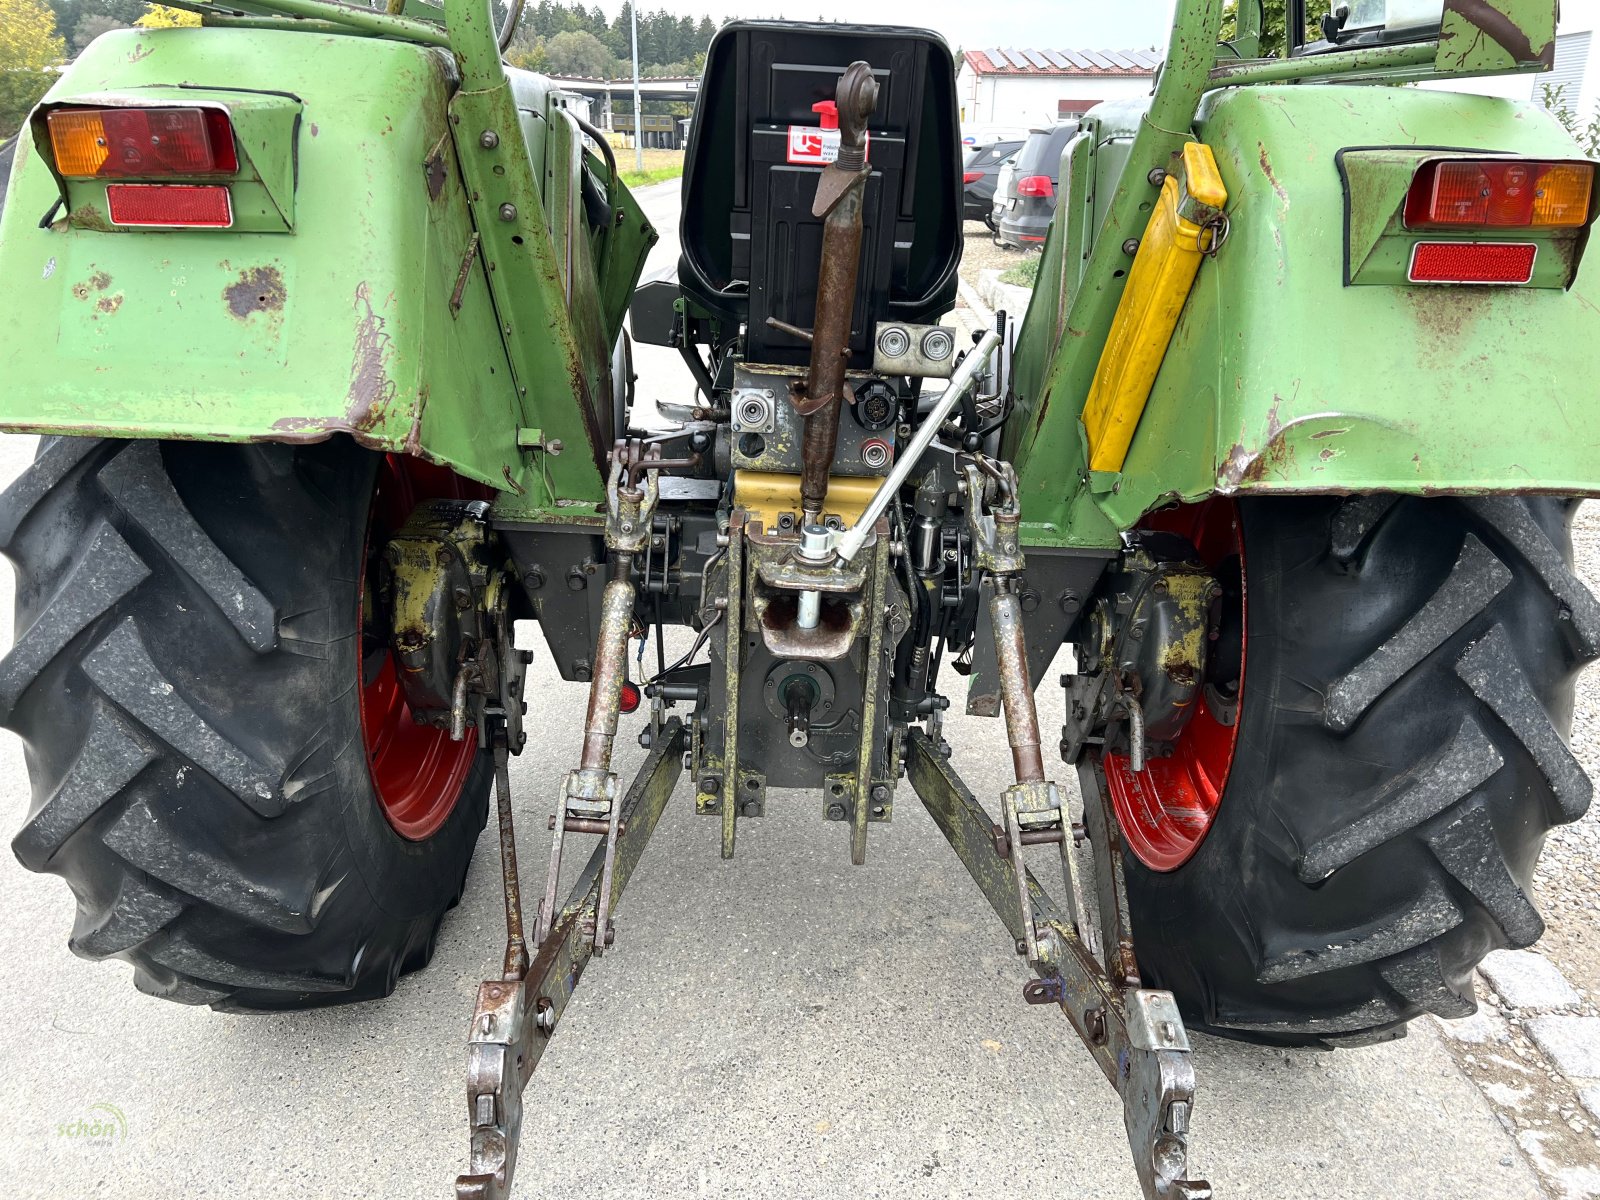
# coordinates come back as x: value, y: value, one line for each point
x: 1030, y: 88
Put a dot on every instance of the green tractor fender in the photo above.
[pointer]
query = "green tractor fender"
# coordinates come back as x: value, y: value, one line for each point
x: 1283, y: 377
x: 1304, y: 360
x: 353, y: 293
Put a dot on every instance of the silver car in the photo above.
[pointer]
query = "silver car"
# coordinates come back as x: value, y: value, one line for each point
x: 1005, y: 195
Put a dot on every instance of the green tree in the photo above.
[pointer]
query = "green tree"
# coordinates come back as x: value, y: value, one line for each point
x: 1273, y: 23
x: 577, y: 53
x: 92, y: 26
x: 1554, y: 100
x: 29, y: 49
x: 619, y: 36
x: 531, y: 57
x: 162, y: 17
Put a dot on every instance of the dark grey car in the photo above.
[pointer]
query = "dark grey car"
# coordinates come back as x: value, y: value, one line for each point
x: 1026, y: 220
x: 978, y: 172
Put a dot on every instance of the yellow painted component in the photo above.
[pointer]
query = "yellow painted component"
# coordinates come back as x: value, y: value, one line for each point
x: 765, y: 494
x: 1163, y: 272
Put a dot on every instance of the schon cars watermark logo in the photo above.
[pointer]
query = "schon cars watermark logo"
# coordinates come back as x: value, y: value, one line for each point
x: 99, y: 1125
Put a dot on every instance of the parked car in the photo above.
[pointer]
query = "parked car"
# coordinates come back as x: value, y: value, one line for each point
x: 1005, y: 195
x: 1026, y: 218
x: 979, y: 169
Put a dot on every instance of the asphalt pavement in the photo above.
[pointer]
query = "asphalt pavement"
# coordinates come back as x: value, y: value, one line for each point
x: 784, y: 1024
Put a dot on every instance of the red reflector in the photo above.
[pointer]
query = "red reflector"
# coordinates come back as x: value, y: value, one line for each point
x: 629, y: 701
x: 171, y: 204
x: 1036, y: 185
x: 971, y: 176
x: 1472, y: 262
x: 142, y: 143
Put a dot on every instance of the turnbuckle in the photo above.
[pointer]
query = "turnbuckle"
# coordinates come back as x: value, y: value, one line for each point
x: 1032, y: 807
x: 589, y: 793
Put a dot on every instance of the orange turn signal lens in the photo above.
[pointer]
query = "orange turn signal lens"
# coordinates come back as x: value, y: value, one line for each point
x: 78, y: 138
x: 1562, y: 200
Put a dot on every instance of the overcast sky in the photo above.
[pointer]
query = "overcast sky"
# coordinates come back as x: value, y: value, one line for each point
x: 979, y: 24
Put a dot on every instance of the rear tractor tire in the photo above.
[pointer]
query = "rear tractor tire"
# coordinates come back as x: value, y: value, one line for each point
x: 1406, y: 692
x: 223, y: 770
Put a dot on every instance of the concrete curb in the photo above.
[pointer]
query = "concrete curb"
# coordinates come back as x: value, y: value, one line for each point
x: 1003, y: 296
x: 1533, y: 1049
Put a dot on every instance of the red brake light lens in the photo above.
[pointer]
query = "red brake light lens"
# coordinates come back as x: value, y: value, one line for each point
x: 142, y: 143
x: 1472, y: 262
x: 971, y: 176
x: 170, y: 204
x: 629, y: 700
x: 1036, y: 185
x: 1499, y: 193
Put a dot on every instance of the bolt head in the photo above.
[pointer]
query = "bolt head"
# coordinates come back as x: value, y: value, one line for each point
x: 1156, y: 177
x: 1131, y: 246
x: 533, y: 579
x: 751, y: 809
x: 508, y: 212
x: 710, y: 784
x: 835, y: 812
x: 488, y: 139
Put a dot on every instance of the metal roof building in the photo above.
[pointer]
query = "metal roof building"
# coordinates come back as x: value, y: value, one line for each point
x: 1037, y: 87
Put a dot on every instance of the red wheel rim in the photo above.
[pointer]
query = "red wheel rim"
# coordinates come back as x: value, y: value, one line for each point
x: 417, y: 771
x: 1166, y: 809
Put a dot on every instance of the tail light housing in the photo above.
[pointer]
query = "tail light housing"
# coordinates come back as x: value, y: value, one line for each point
x: 1499, y: 193
x: 142, y: 143
x: 971, y: 176
x: 1036, y: 185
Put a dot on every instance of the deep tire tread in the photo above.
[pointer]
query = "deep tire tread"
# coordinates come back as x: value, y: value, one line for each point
x: 185, y: 682
x: 1394, y: 827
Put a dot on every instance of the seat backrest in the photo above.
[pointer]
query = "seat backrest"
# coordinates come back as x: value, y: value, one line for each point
x: 750, y: 243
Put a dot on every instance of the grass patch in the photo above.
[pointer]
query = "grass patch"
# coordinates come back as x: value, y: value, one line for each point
x: 1024, y: 274
x: 659, y: 166
x: 639, y: 179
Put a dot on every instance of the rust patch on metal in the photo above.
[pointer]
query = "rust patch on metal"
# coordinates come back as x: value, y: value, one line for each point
x: 314, y: 129
x: 98, y: 282
x: 84, y: 217
x: 258, y: 289
x: 433, y: 167
x: 371, y: 390
x: 1492, y: 23
x: 1266, y: 168
x: 108, y: 304
x: 1245, y: 466
x: 141, y: 52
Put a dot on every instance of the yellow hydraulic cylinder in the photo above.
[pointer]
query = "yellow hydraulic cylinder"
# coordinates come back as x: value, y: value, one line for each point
x: 1186, y: 225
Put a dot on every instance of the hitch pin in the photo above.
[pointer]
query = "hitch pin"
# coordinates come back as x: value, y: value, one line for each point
x: 850, y: 543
